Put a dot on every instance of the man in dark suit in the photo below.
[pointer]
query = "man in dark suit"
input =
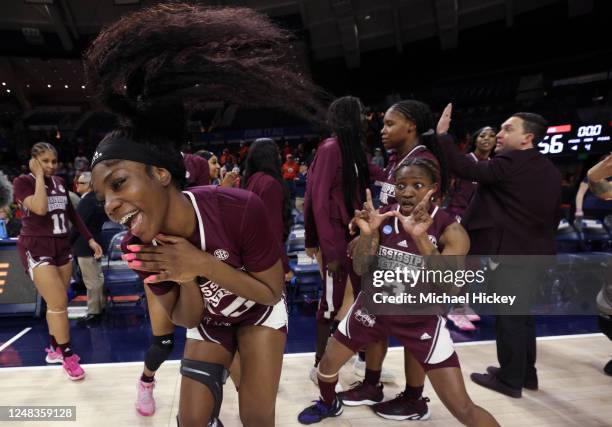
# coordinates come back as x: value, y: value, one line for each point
x: 93, y: 216
x: 515, y: 211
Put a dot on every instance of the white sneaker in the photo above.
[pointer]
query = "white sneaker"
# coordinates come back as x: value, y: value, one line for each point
x: 313, y: 376
x: 359, y: 367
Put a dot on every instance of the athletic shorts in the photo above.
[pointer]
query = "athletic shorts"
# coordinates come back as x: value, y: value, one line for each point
x: 35, y: 251
x: 332, y: 295
x: 224, y: 331
x: 426, y: 337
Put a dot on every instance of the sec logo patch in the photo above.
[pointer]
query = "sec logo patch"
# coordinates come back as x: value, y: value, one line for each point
x: 221, y: 254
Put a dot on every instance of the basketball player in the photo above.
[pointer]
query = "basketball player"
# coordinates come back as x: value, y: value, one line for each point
x: 337, y: 180
x: 409, y: 229
x: 206, y: 253
x: 197, y: 173
x: 44, y: 247
x: 408, y: 131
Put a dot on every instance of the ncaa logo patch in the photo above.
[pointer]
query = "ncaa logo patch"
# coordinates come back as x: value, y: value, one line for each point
x: 433, y: 240
x: 221, y: 254
x: 61, y: 188
x: 387, y: 229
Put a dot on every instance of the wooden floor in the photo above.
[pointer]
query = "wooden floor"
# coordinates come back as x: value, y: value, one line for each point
x: 573, y: 390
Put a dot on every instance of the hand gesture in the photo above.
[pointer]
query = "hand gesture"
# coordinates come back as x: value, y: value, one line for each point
x: 35, y: 167
x: 175, y: 259
x: 229, y: 180
x: 445, y: 120
x: 419, y: 221
x: 369, y: 219
x: 96, y: 248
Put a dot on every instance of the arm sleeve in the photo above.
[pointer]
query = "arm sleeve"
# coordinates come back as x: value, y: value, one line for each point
x: 491, y: 172
x: 259, y: 252
x: 74, y: 217
x: 85, y: 210
x: 321, y: 204
x: 22, y: 189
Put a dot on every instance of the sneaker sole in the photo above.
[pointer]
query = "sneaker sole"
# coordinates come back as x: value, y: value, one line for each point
x: 329, y: 416
x: 71, y: 378
x: 365, y: 402
x: 144, y: 414
x: 53, y: 360
x: 414, y: 417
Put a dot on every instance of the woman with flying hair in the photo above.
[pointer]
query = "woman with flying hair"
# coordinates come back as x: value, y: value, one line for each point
x: 205, y: 253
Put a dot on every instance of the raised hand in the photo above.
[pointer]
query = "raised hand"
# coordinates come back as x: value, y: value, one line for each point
x: 419, y: 221
x: 35, y: 167
x: 445, y: 120
x: 369, y: 219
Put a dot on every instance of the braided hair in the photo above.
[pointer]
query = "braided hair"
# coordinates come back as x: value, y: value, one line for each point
x: 345, y: 118
x: 420, y: 114
x: 41, y: 147
x: 427, y: 165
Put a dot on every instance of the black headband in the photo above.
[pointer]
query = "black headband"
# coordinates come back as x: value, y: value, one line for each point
x: 126, y: 149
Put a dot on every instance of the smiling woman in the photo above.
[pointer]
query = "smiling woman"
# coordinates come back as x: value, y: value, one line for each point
x: 206, y: 254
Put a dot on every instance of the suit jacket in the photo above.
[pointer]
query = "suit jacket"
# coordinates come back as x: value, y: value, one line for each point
x: 93, y: 216
x: 516, y: 208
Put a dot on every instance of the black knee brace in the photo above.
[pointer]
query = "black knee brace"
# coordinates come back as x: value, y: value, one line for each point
x: 213, y: 376
x: 158, y: 352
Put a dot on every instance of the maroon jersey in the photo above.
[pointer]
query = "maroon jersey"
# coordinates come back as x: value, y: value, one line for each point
x: 325, y: 215
x: 387, y: 192
x: 59, y: 212
x: 197, y: 171
x: 271, y: 193
x: 232, y: 225
x: 424, y: 335
x: 396, y: 246
x: 462, y: 192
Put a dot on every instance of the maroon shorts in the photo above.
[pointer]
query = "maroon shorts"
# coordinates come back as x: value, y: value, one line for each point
x: 41, y: 250
x: 426, y: 337
x: 224, y: 330
x: 332, y: 296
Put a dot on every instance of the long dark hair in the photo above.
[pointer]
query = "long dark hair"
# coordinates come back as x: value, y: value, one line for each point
x: 420, y: 114
x: 475, y: 136
x: 264, y: 156
x: 345, y: 118
x: 156, y: 65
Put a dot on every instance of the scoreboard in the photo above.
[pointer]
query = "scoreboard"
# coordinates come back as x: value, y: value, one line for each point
x: 570, y: 139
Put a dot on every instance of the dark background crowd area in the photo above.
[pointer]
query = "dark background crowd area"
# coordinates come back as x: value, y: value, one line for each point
x: 549, y: 57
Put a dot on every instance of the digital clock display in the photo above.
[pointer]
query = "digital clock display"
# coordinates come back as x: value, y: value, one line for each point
x: 574, y: 139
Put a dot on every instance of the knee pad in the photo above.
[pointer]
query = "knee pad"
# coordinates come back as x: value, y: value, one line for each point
x: 212, y: 375
x: 158, y: 352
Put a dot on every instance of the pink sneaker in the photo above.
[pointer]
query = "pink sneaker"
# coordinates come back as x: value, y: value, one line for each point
x: 54, y: 356
x: 72, y: 368
x: 473, y: 317
x: 145, y: 404
x: 461, y: 322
